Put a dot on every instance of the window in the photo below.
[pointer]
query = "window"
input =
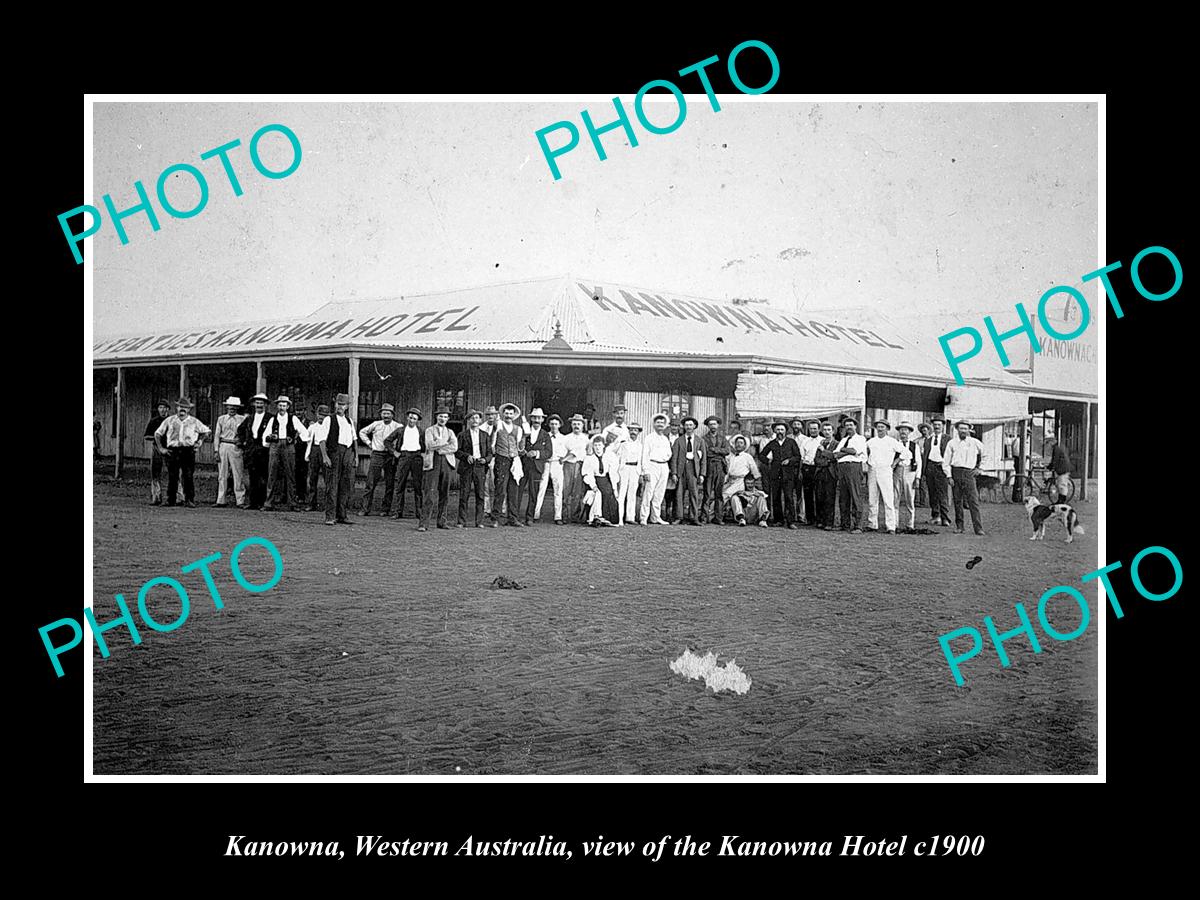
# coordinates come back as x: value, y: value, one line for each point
x: 454, y: 400
x: 369, y: 404
x: 677, y: 404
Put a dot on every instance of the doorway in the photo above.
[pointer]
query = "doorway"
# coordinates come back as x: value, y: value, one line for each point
x: 566, y: 401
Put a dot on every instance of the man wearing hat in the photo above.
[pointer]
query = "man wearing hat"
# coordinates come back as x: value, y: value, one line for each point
x: 924, y: 430
x: 156, y: 457
x: 535, y: 453
x: 780, y: 462
x: 884, y: 454
x: 806, y: 480
x: 383, y: 462
x: 507, y: 441
x: 617, y: 426
x: 963, y: 462
x: 553, y: 475
x: 826, y: 475
x: 315, y: 466
x: 689, y: 465
x: 280, y: 437
x: 933, y: 455
x: 255, y: 455
x: 906, y: 476
x: 407, y: 445
x: 178, y: 438
x: 474, y: 454
x: 749, y: 504
x: 575, y: 445
x: 229, y: 453
x: 441, y: 446
x: 629, y: 460
x: 491, y: 416
x: 851, y: 455
x: 340, y: 459
x: 716, y: 451
x: 656, y: 467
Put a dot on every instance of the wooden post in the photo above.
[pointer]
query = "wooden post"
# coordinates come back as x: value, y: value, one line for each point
x: 183, y: 380
x: 352, y: 387
x: 120, y: 465
x: 1018, y: 495
x: 260, y: 379
x: 1087, y: 446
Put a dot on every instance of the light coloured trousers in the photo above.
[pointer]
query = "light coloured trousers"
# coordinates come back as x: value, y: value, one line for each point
x: 905, y: 481
x: 653, y: 493
x: 627, y: 505
x: 881, y: 484
x: 230, y: 460
x: 553, y: 476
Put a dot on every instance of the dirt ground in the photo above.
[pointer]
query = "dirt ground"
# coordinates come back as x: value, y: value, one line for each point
x: 383, y: 650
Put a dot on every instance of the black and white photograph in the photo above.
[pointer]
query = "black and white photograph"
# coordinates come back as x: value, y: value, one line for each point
x: 537, y: 437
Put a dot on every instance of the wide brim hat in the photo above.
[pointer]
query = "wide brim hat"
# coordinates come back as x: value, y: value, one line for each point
x: 263, y: 397
x: 712, y: 419
x: 184, y: 401
x: 578, y: 418
x: 442, y: 411
x: 512, y: 406
x: 413, y: 411
x: 620, y: 407
x: 884, y: 422
x: 387, y: 407
x: 964, y: 422
x: 284, y: 398
x: 661, y: 418
x: 634, y: 426
x: 907, y: 425
x: 233, y: 401
x: 691, y: 419
x: 776, y: 424
x: 322, y: 406
x: 536, y: 411
x: 474, y: 412
x: 342, y: 398
x: 740, y: 437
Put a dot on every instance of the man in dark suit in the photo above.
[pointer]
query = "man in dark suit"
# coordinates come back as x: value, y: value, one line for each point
x: 407, y: 444
x: 535, y: 452
x: 781, y: 458
x: 716, y: 452
x: 474, y: 454
x: 932, y: 455
x: 689, y: 465
x: 256, y: 456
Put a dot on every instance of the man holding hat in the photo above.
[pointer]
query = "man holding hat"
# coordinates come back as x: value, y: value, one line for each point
x: 229, y: 453
x: 964, y: 460
x: 383, y: 462
x: 575, y: 445
x: 851, y: 454
x: 441, y: 446
x: 884, y: 454
x: 315, y: 467
x: 156, y: 457
x: 507, y: 441
x: 905, y: 478
x: 178, y: 438
x: 255, y: 455
x: 933, y: 456
x: 407, y: 445
x: 340, y: 459
x: 780, y: 461
x: 553, y: 475
x: 280, y: 437
x: 474, y: 454
x: 716, y: 451
x: 689, y: 465
x: 656, y: 463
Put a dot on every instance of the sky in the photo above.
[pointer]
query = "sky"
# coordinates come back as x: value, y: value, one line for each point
x: 899, y: 207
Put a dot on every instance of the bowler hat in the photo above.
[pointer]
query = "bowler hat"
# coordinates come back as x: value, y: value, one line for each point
x: 284, y: 398
x: 442, y: 411
x: 474, y: 412
x: 712, y: 419
x: 413, y: 411
x: 884, y: 422
x: 555, y: 417
x: 691, y: 419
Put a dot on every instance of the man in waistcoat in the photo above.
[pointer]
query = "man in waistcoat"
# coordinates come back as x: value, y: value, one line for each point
x: 441, y: 445
x: 506, y: 446
x: 280, y: 437
x: 474, y: 455
x: 340, y: 459
x: 905, y: 478
x: 407, y: 444
x: 933, y: 454
x: 315, y: 467
x: 255, y: 454
x: 535, y: 453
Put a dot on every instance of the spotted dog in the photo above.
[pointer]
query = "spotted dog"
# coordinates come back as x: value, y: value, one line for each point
x: 1039, y: 513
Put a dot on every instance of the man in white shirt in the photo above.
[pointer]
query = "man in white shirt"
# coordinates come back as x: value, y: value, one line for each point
x: 748, y: 504
x: 229, y: 453
x: 474, y: 454
x: 617, y: 426
x: 407, y: 444
x: 905, y: 478
x: 178, y: 438
x: 809, y: 443
x: 629, y: 455
x: 934, y: 456
x: 655, y: 469
x: 851, y: 454
x: 280, y: 437
x: 491, y: 416
x: 340, y: 460
x: 441, y: 445
x: 553, y: 476
x: 255, y: 455
x: 964, y: 459
x: 382, y: 461
x: 575, y: 446
x: 884, y: 454
x: 315, y: 467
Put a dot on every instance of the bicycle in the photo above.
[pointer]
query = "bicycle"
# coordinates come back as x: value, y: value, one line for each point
x: 1046, y: 487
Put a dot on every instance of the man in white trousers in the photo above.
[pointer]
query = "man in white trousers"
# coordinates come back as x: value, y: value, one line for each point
x: 630, y: 454
x: 554, y: 470
x: 655, y: 469
x: 229, y: 453
x: 884, y: 453
x: 907, y: 477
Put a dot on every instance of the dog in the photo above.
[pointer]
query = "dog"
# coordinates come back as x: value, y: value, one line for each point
x: 1039, y: 513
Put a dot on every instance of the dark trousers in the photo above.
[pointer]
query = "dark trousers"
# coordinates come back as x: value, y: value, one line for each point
x: 382, y: 463
x: 533, y: 483
x: 808, y: 487
x: 282, y: 467
x: 966, y: 492
x: 409, y: 467
x: 783, y: 495
x: 714, y: 483
x: 849, y: 494
x: 687, y: 491
x: 504, y: 485
x: 573, y: 489
x: 608, y: 498
x: 471, y: 479
x: 939, y: 492
x: 257, y: 466
x: 181, y: 459
x: 301, y: 473
x: 314, y: 473
x: 437, y: 480
x: 825, y: 496
x: 339, y: 483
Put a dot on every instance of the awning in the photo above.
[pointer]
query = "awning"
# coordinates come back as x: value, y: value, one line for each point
x: 986, y: 405
x: 812, y: 394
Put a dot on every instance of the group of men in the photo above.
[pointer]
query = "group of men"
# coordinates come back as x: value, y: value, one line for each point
x: 806, y: 474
